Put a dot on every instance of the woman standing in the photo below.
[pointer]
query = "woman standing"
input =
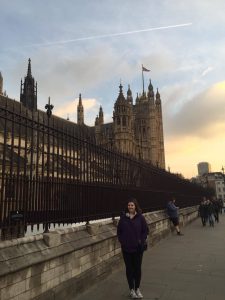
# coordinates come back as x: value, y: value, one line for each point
x: 132, y: 233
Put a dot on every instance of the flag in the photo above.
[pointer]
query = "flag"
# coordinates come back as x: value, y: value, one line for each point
x: 145, y: 70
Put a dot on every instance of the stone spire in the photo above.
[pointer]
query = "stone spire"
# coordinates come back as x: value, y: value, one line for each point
x: 150, y: 86
x: 121, y: 97
x: 129, y: 95
x: 159, y: 132
x: 101, y: 116
x: 158, y: 99
x: 150, y: 92
x: 29, y: 68
x: 96, y: 120
x: 80, y: 112
x: 123, y: 123
x: 137, y: 99
x: 28, y: 90
x: 1, y: 84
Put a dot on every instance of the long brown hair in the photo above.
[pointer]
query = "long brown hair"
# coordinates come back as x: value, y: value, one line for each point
x: 137, y: 206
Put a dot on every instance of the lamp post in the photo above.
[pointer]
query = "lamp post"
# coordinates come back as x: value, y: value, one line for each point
x: 49, y: 107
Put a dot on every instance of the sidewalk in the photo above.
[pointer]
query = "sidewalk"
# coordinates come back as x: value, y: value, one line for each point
x: 189, y: 267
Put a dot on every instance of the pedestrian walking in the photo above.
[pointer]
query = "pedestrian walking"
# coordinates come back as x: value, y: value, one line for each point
x: 221, y: 205
x: 216, y: 208
x: 202, y: 210
x: 132, y: 233
x: 172, y: 211
x: 210, y: 212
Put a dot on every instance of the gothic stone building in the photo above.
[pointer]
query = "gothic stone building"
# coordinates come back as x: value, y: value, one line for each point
x: 1, y: 84
x: 136, y: 130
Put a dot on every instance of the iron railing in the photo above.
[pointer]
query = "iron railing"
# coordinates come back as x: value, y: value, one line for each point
x: 53, y: 172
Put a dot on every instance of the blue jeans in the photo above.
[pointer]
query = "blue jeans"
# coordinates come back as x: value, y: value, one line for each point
x: 211, y: 220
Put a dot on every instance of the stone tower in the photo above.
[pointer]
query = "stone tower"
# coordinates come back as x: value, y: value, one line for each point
x: 1, y: 84
x: 101, y: 116
x: 28, y: 90
x: 122, y: 124
x: 80, y: 112
x: 159, y: 132
x: 152, y: 125
x: 142, y: 127
x: 137, y: 128
x: 99, y: 122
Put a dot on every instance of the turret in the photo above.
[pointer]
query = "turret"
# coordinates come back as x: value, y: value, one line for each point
x: 129, y: 95
x: 120, y: 99
x: 80, y: 112
x: 150, y: 92
x: 123, y: 123
x: 29, y: 69
x: 97, y: 121
x: 137, y: 99
x: 28, y: 90
x: 98, y: 131
x: 101, y: 116
x: 158, y: 100
x: 120, y: 109
x: 160, y: 140
x: 1, y: 84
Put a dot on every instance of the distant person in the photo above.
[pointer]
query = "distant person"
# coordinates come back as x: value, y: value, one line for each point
x: 210, y: 212
x: 132, y: 233
x: 216, y: 207
x: 221, y: 205
x: 202, y: 210
x: 172, y: 211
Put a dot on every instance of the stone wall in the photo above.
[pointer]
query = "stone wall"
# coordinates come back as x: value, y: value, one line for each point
x: 61, y: 264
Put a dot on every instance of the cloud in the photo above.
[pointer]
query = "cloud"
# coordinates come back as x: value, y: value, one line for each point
x: 206, y: 71
x: 51, y: 43
x: 91, y: 110
x: 81, y: 72
x: 200, y: 116
x: 91, y: 107
x: 184, y: 153
x: 196, y: 131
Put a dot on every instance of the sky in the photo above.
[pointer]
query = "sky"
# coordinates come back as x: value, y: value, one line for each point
x: 88, y: 47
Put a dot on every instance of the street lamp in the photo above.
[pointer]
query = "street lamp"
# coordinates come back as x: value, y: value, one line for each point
x: 49, y: 107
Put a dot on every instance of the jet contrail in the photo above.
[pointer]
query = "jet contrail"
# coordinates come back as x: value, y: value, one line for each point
x: 110, y: 35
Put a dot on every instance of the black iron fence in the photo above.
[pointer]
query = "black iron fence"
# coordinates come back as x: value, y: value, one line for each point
x: 52, y: 172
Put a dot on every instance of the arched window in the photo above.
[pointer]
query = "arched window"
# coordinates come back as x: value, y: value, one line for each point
x: 118, y: 120
x: 144, y: 132
x: 124, y: 121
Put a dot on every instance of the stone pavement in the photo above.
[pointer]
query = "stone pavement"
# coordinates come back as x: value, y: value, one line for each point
x: 189, y: 267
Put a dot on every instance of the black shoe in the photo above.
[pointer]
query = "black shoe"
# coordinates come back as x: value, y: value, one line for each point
x: 179, y: 233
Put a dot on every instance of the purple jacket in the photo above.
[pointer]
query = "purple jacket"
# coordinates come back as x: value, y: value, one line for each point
x: 132, y: 232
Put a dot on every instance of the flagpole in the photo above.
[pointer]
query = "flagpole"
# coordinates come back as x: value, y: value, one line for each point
x: 143, y: 80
